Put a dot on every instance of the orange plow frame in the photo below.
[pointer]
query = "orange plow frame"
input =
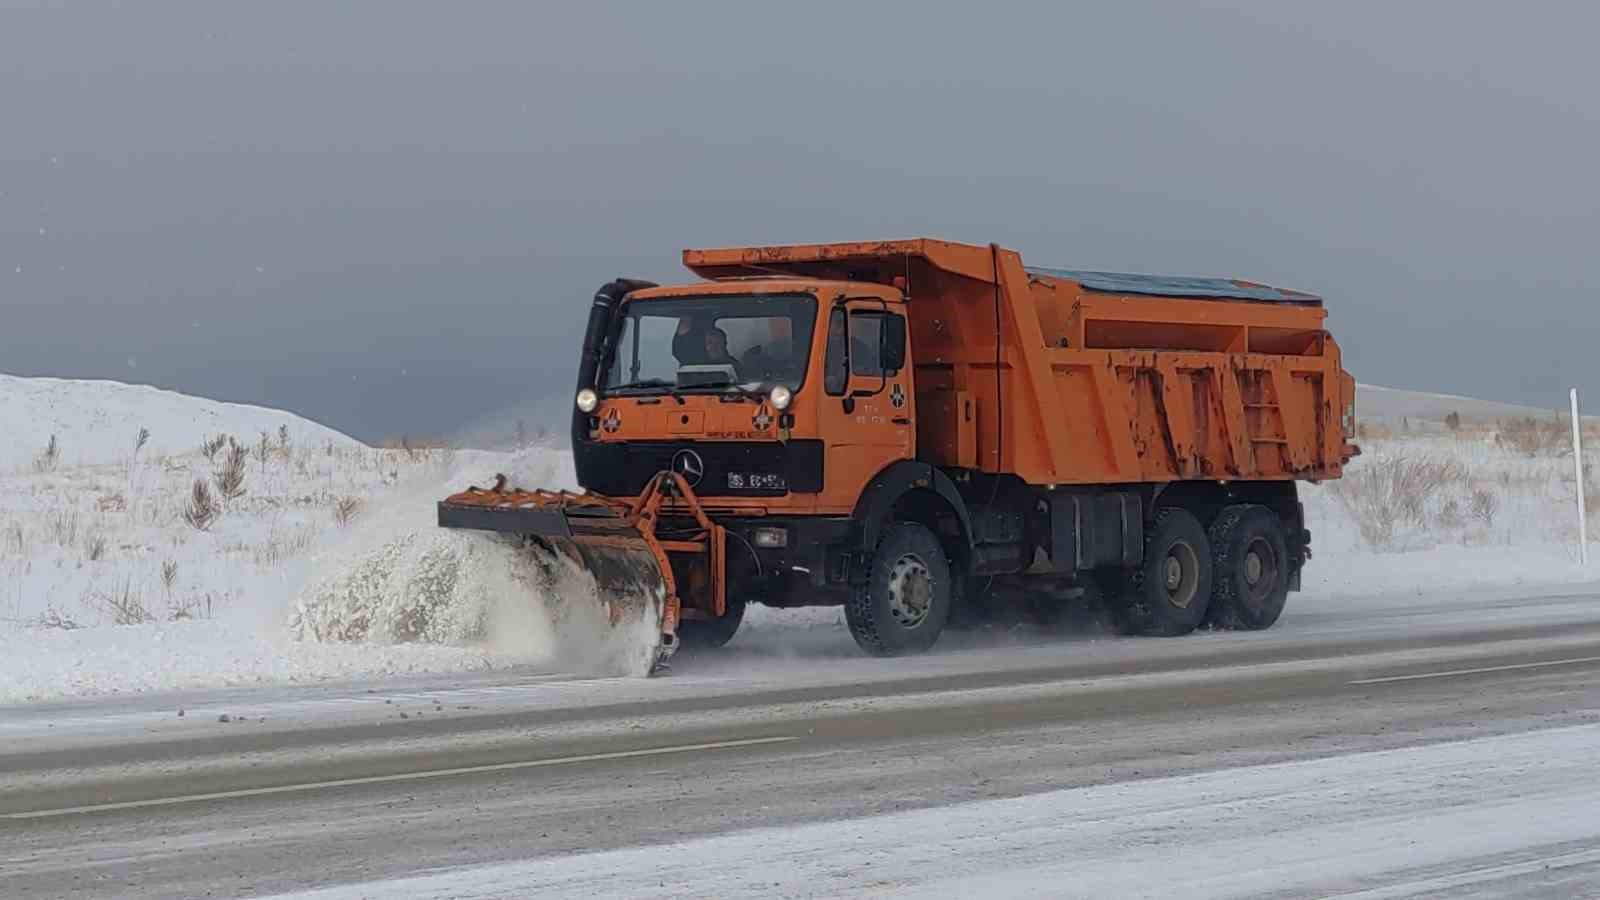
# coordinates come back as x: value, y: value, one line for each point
x: 606, y: 522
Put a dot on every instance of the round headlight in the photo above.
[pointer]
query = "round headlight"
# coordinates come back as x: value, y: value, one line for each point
x: 781, y: 397
x: 588, y: 400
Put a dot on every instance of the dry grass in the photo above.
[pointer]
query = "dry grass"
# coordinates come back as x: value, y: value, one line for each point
x: 63, y: 524
x: 13, y: 540
x: 1535, y: 437
x: 193, y: 606
x: 1386, y: 492
x: 122, y: 605
x: 230, y: 478
x: 94, y: 547
x: 1482, y: 507
x: 49, y: 458
x: 201, y: 511
x: 280, y: 546
x: 53, y: 618
x: 345, y: 509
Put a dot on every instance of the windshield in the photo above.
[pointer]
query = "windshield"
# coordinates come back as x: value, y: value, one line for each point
x: 714, y: 343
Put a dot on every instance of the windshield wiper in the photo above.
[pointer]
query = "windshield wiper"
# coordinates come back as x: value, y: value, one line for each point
x: 642, y: 385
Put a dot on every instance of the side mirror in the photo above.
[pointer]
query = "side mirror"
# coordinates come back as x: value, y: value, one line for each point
x: 892, y: 343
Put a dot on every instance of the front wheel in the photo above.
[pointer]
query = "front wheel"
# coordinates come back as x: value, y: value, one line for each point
x: 904, y: 604
x: 708, y: 633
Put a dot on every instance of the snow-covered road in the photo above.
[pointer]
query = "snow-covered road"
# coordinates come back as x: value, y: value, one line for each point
x: 1479, y: 817
x: 1440, y: 744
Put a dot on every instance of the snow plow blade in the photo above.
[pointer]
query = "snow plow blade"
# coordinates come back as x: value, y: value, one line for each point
x: 637, y: 574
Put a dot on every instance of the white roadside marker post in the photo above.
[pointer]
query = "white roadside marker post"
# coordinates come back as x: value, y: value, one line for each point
x: 1577, y: 461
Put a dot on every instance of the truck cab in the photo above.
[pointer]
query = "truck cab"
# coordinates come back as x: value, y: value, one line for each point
x: 777, y: 399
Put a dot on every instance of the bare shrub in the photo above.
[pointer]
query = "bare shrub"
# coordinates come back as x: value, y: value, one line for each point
x: 263, y: 449
x: 1389, y: 491
x: 123, y: 605
x: 283, y: 441
x: 49, y: 458
x: 201, y: 511
x: 345, y: 509
x: 112, y: 502
x: 94, y: 547
x: 1533, y: 437
x: 1452, y: 421
x: 210, y: 447
x: 230, y: 480
x: 1483, y: 505
x: 169, y: 574
x: 140, y: 440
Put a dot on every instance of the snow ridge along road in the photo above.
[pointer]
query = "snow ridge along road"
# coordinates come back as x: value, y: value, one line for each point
x: 1442, y: 745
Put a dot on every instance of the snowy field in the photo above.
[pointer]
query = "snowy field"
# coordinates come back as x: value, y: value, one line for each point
x: 116, y: 577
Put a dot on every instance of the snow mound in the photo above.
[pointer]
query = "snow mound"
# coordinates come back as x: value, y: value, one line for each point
x: 97, y: 422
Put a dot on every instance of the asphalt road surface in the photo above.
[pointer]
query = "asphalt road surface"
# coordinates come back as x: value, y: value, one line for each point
x: 1391, y: 746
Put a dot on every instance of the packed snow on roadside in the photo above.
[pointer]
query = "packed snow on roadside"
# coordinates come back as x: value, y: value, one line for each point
x: 327, y: 562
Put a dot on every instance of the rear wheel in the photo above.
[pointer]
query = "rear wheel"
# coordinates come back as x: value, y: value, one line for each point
x: 706, y: 633
x: 904, y: 604
x: 1169, y: 592
x: 1250, y: 558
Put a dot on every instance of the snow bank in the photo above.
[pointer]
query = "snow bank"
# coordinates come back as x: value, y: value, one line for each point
x: 97, y: 422
x: 105, y: 588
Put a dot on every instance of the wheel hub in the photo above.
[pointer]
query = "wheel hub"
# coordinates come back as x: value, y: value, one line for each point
x: 1260, y: 568
x: 1252, y: 567
x: 1180, y: 575
x: 910, y: 591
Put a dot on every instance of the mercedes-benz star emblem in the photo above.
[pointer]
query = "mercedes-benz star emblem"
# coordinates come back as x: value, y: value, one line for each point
x: 689, y: 464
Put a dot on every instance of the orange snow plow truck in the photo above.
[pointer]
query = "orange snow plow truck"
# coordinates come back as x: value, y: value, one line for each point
x: 925, y: 432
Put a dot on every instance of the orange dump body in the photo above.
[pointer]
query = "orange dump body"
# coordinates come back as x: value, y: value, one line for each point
x: 1061, y: 378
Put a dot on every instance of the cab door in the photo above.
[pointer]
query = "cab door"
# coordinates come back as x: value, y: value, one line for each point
x: 867, y: 415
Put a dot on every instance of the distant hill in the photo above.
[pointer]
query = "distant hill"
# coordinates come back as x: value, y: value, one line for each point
x: 1376, y: 404
x: 98, y: 421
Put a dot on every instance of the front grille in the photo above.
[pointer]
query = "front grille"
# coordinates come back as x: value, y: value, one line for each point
x: 623, y: 469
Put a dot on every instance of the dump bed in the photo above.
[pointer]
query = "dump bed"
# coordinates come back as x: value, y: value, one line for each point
x: 1065, y: 376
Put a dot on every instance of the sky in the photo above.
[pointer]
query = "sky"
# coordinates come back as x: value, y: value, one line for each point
x: 389, y: 216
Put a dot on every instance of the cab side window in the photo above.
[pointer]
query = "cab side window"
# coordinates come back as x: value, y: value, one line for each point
x: 866, y: 334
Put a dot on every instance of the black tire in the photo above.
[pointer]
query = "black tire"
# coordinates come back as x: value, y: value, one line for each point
x: 1168, y: 594
x: 705, y: 634
x: 907, y: 598
x: 1250, y: 565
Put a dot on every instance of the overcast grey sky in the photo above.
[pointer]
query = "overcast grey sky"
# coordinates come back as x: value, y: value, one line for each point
x: 389, y: 216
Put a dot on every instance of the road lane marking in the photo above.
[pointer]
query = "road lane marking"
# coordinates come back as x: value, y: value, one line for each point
x: 1475, y: 876
x: 399, y: 776
x: 1532, y: 665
